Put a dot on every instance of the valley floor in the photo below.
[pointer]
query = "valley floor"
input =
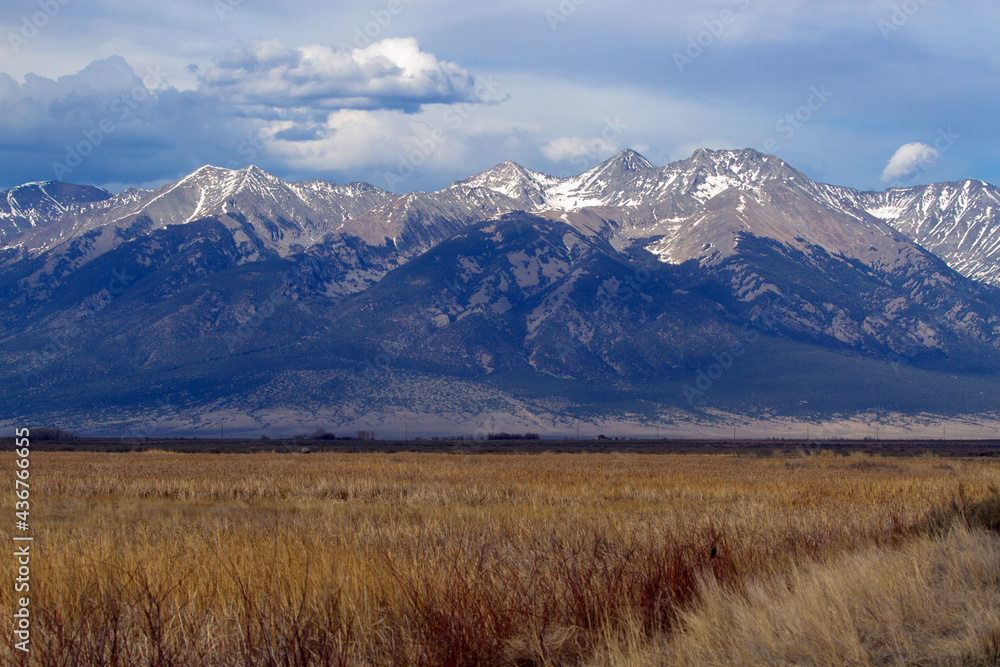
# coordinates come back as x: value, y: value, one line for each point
x: 778, y: 556
x: 952, y: 448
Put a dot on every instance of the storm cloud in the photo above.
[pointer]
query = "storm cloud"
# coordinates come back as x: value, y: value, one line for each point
x: 352, y: 91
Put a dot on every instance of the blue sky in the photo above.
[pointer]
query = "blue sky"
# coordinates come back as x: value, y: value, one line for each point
x: 413, y: 94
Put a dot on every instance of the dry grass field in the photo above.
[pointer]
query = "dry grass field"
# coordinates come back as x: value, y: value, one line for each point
x: 159, y: 558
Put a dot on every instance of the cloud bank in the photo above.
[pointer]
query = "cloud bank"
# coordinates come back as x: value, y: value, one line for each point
x: 106, y: 124
x: 566, y: 149
x: 266, y: 77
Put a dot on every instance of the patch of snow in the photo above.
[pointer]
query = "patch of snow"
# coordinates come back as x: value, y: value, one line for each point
x: 715, y: 185
x: 201, y: 202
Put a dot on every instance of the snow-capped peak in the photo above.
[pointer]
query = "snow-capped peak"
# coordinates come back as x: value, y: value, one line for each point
x: 714, y: 194
x: 39, y: 203
x: 541, y: 192
x: 508, y: 178
x: 630, y: 160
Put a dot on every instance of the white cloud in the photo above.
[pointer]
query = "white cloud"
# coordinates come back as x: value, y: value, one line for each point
x: 308, y: 109
x: 267, y: 78
x: 575, y: 148
x: 908, y: 160
x: 356, y: 139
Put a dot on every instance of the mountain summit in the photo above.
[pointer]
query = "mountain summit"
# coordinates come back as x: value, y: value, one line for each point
x: 250, y: 299
x: 625, y: 196
x: 33, y: 204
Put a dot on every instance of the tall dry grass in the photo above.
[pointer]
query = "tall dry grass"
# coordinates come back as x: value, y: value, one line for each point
x: 935, y: 601
x: 435, y: 559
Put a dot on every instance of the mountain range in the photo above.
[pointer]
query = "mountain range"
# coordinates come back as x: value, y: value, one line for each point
x: 722, y: 287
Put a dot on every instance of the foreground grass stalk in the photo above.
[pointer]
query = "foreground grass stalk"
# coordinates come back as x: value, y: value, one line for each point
x: 434, y: 559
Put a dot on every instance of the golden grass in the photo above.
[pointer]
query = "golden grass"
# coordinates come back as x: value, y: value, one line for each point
x: 936, y: 601
x: 436, y: 559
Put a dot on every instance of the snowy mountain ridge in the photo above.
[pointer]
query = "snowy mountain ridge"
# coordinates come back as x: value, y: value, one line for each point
x: 233, y: 287
x: 681, y: 211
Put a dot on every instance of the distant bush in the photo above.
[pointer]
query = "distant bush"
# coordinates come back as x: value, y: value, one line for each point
x: 320, y: 434
x: 514, y: 436
x: 53, y: 434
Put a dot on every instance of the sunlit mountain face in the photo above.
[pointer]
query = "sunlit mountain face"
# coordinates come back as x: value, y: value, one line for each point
x: 725, y: 283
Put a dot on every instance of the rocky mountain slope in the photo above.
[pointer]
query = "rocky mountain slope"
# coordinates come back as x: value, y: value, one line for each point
x: 727, y: 281
x: 959, y: 222
x: 42, y: 203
